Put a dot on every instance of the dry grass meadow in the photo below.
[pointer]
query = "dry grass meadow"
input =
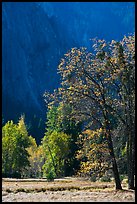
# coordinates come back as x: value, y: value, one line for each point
x: 63, y: 190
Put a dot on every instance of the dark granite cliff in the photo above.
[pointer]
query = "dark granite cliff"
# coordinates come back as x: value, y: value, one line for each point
x: 34, y: 38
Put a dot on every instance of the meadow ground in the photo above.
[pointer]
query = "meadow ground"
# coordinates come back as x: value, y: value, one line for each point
x: 63, y: 190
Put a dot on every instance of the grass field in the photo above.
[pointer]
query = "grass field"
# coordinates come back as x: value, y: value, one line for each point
x: 63, y: 190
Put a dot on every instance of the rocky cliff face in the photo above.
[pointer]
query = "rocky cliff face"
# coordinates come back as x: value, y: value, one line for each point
x: 35, y: 36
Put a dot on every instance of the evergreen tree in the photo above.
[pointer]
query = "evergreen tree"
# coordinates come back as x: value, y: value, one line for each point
x: 59, y: 119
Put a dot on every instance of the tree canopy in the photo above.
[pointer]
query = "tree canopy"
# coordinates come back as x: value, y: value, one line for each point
x: 15, y: 140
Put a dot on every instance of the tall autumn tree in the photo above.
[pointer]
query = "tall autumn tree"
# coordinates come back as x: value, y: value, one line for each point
x: 90, y: 83
x: 86, y: 84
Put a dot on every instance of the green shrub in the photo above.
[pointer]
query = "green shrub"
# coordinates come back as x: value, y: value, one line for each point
x: 51, y: 175
x: 105, y: 179
x: 123, y: 177
x: 93, y: 178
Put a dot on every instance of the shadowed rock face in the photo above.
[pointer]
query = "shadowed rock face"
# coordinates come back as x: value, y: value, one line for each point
x: 34, y: 38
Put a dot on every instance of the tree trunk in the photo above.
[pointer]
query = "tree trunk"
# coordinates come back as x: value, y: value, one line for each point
x: 130, y: 143
x: 111, y: 151
x: 54, y: 165
x: 114, y: 163
x: 130, y: 130
x: 131, y: 160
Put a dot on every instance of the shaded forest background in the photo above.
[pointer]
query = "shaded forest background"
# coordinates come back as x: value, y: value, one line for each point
x: 35, y: 36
